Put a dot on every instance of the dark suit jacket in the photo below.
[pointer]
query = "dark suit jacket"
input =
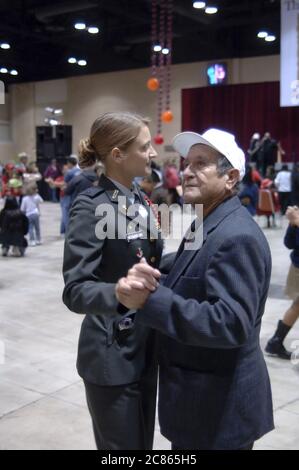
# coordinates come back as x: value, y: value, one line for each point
x: 214, y: 385
x: 91, y: 268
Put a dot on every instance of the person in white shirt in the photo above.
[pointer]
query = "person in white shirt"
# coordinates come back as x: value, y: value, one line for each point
x: 30, y: 206
x: 283, y: 182
x: 31, y: 175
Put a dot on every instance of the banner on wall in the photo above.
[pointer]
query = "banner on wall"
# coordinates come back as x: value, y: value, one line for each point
x: 2, y: 93
x: 289, y: 55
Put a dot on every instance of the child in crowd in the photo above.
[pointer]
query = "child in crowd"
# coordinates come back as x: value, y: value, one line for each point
x: 13, y: 228
x: 30, y: 206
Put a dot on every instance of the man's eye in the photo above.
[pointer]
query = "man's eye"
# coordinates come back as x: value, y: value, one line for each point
x: 200, y: 164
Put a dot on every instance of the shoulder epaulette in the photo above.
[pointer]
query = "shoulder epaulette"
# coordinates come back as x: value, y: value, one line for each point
x: 93, y: 191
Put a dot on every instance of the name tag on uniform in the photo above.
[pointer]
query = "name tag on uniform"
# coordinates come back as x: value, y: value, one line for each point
x: 143, y: 212
x: 134, y: 236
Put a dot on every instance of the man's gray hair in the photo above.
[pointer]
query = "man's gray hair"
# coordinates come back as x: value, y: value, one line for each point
x: 223, y: 166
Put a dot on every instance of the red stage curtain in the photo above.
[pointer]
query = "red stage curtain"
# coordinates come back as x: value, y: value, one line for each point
x: 243, y: 110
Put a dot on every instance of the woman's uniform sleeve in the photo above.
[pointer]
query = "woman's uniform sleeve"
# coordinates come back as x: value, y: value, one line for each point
x: 291, y: 239
x: 84, y: 292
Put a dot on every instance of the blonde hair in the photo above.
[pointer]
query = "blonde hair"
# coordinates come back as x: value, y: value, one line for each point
x: 107, y: 132
x: 31, y: 189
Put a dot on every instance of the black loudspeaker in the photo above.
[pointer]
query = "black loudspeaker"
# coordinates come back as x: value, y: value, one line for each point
x: 53, y: 142
x: 45, y: 144
x: 63, y: 140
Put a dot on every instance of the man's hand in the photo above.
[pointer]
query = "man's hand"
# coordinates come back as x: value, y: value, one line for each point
x: 143, y: 276
x: 130, y: 297
x: 134, y: 290
x: 293, y: 215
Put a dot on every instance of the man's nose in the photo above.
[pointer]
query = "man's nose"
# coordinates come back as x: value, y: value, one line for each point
x: 187, y: 173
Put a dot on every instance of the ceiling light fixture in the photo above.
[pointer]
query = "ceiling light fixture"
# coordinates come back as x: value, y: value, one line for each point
x: 262, y: 34
x: 165, y: 51
x: 81, y: 62
x: 157, y: 48
x: 3, y: 70
x: 270, y: 38
x: 80, y: 26
x: 199, y: 5
x: 5, y: 45
x: 211, y: 10
x: 14, y: 72
x: 93, y: 30
x: 52, y: 122
x: 53, y: 116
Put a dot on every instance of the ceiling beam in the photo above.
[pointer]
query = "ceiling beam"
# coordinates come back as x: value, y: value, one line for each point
x: 45, y: 13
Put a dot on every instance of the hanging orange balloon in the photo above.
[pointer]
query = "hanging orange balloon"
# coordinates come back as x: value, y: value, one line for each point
x: 167, y: 116
x: 153, y: 84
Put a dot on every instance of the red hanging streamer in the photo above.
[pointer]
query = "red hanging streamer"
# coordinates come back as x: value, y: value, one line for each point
x: 161, y: 63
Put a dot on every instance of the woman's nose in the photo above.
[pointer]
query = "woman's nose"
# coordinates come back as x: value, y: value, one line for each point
x: 152, y: 152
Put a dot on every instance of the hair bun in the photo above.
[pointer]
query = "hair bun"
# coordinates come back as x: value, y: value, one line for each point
x: 87, y: 153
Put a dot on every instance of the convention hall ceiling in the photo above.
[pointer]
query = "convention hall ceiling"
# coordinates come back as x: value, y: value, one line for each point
x: 42, y: 37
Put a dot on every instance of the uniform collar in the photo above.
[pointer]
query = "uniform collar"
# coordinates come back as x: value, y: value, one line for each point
x: 123, y: 189
x: 114, y: 189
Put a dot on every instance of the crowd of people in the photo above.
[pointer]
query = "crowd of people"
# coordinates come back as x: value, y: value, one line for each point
x: 20, y: 187
x: 264, y: 151
x: 263, y: 190
x: 21, y: 214
x: 270, y: 194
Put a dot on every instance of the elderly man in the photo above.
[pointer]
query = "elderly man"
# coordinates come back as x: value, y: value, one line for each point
x: 214, y: 385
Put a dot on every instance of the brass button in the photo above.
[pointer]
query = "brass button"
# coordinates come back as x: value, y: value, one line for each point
x: 153, y: 259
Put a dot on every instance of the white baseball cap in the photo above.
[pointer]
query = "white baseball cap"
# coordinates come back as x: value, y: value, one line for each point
x: 219, y: 140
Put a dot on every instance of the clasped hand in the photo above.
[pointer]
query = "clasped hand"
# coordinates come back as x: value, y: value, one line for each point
x: 133, y: 291
x: 292, y: 215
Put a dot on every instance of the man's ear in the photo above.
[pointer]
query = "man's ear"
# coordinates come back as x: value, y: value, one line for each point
x: 232, y: 178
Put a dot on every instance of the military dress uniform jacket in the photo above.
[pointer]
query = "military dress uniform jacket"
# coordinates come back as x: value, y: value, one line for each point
x: 214, y: 386
x: 112, y: 349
